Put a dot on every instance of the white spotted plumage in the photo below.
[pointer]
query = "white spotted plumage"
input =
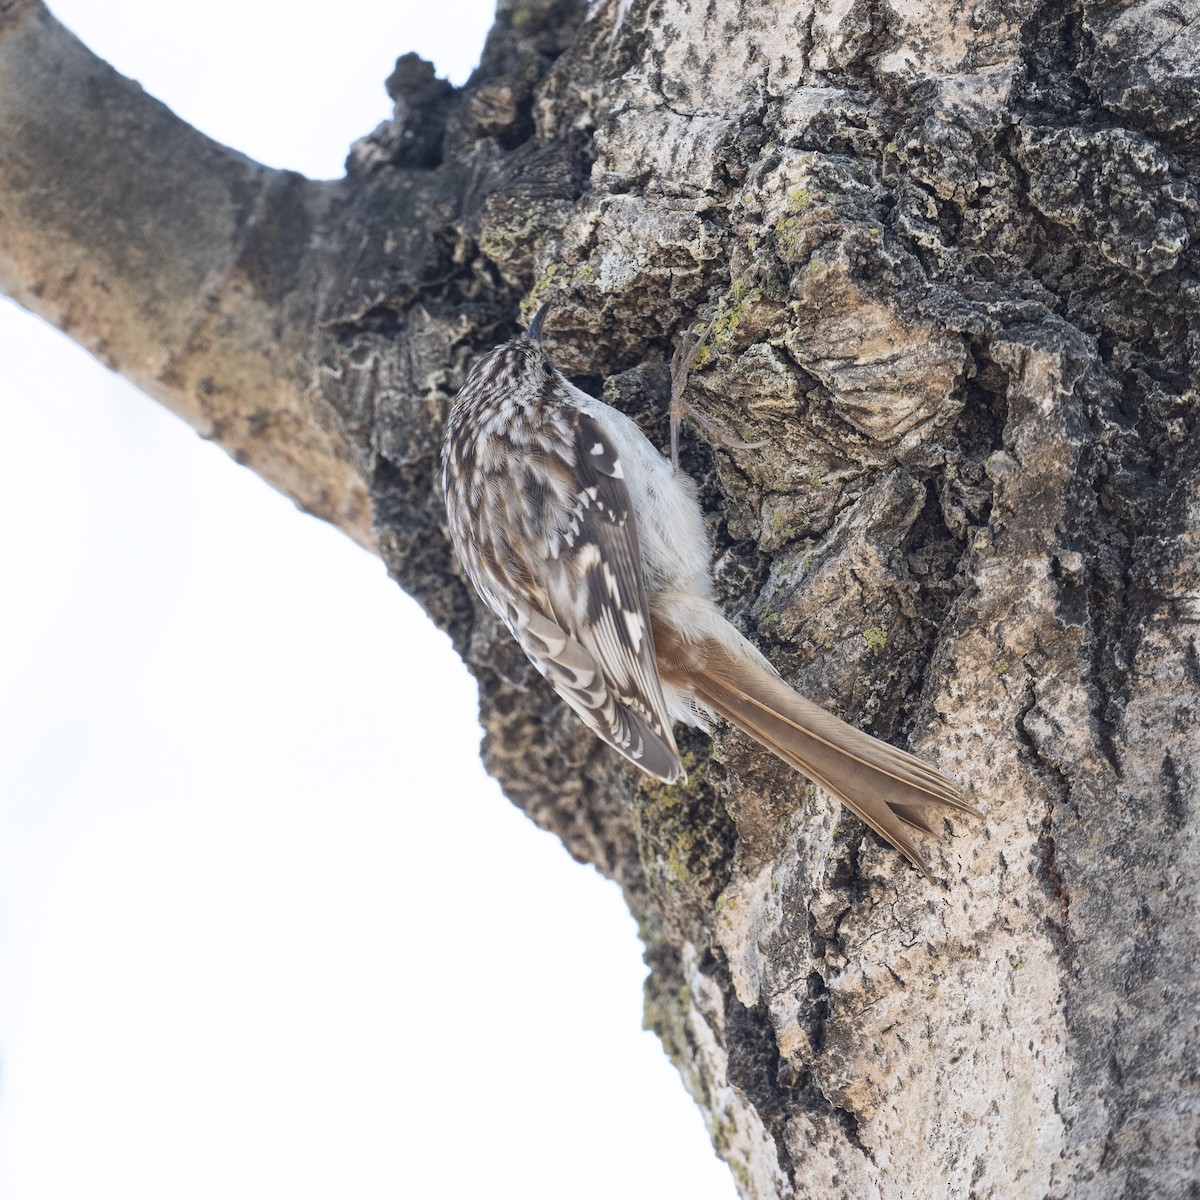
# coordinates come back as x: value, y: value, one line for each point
x: 542, y: 519
x: 591, y: 547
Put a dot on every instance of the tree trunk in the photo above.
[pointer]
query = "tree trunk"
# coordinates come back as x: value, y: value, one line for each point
x: 947, y: 254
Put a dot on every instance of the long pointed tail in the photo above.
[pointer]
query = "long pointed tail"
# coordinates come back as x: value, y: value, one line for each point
x: 886, y: 787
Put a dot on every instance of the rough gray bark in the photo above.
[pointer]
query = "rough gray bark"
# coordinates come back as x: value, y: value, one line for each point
x: 948, y: 254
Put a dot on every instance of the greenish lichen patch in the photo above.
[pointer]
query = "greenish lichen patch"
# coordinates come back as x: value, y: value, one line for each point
x: 730, y: 314
x: 798, y: 199
x: 684, y: 836
x: 875, y: 637
x: 561, y: 278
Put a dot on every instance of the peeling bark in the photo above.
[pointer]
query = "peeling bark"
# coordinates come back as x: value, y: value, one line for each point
x: 948, y: 257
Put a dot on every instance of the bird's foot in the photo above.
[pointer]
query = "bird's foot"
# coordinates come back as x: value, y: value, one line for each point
x: 681, y: 364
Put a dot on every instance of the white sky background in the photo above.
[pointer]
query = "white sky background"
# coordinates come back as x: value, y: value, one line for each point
x: 266, y: 929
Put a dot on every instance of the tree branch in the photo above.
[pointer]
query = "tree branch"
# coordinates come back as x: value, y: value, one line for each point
x: 178, y: 262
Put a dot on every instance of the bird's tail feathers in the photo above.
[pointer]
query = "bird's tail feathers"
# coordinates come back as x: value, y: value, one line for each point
x: 888, y: 788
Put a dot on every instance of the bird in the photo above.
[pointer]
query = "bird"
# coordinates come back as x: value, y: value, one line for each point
x: 590, y: 545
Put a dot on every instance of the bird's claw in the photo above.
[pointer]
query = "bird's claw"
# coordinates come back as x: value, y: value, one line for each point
x: 681, y: 364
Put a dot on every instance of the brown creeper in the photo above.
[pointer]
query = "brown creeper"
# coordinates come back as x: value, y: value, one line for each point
x: 591, y: 548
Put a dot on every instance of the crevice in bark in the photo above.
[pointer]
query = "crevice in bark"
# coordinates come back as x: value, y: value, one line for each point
x: 754, y: 1066
x: 1055, y: 886
x: 1054, y: 47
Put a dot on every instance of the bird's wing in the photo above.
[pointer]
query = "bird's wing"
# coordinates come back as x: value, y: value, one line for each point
x: 585, y: 622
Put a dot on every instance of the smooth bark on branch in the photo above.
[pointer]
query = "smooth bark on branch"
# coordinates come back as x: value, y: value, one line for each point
x: 179, y: 263
x: 948, y: 254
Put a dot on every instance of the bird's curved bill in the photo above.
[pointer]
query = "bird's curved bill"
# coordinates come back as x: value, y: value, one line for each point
x: 534, y: 332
